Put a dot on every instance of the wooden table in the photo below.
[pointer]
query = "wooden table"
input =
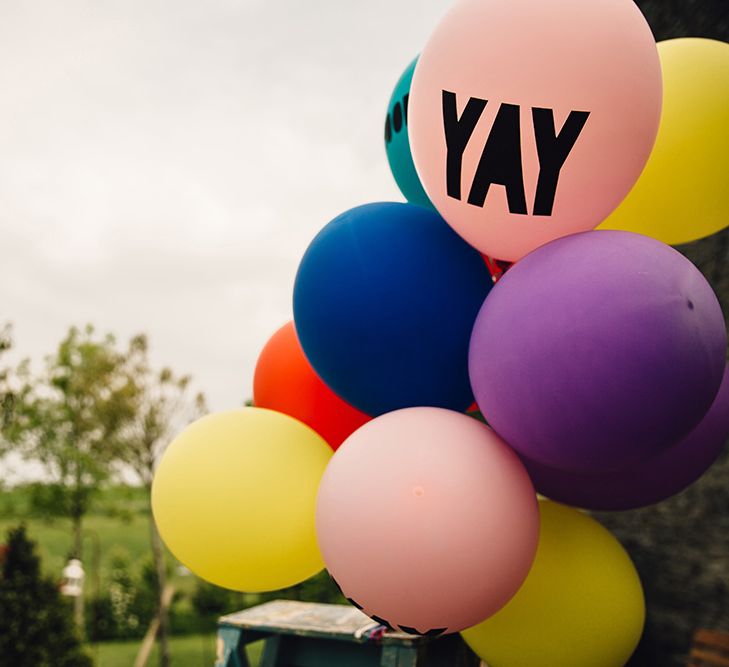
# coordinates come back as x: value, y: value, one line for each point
x: 308, y: 634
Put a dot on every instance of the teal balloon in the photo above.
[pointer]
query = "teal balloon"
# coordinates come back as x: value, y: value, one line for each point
x: 397, y: 142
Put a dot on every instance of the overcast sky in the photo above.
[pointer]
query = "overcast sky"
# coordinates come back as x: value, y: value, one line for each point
x: 164, y: 163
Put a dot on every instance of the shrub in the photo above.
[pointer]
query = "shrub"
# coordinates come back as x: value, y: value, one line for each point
x: 36, y: 627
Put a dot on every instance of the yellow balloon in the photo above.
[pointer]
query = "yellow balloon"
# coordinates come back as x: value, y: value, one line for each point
x: 682, y: 195
x: 234, y: 499
x: 582, y: 604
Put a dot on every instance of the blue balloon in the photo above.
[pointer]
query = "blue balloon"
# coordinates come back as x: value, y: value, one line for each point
x: 397, y: 142
x: 384, y: 302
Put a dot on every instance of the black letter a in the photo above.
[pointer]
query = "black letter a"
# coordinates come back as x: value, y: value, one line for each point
x: 501, y: 162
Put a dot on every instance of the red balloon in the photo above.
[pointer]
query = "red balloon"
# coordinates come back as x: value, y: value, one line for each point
x: 285, y: 381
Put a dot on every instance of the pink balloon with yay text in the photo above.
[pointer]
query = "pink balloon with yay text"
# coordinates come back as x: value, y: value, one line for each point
x: 427, y: 520
x: 532, y: 119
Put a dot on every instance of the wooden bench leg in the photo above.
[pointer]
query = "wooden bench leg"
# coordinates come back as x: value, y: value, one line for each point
x: 399, y: 656
x: 271, y: 647
x: 230, y: 650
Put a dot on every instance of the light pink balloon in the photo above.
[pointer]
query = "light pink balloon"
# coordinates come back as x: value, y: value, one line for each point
x: 559, y: 56
x: 427, y: 520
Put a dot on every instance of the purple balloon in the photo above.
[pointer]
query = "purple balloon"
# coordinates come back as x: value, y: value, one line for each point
x: 597, y: 351
x: 647, y: 482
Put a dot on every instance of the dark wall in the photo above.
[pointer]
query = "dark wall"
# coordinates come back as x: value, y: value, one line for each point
x: 681, y: 546
x: 687, y: 18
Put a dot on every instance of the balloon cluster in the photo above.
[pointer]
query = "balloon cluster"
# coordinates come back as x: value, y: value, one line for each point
x: 597, y: 359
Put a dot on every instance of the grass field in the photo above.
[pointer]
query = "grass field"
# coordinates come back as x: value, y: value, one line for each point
x: 54, y: 540
x: 188, y: 651
x: 118, y: 525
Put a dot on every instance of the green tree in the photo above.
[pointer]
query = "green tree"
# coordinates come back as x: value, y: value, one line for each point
x: 165, y: 404
x: 210, y: 601
x: 6, y: 394
x: 35, y: 625
x: 70, y: 417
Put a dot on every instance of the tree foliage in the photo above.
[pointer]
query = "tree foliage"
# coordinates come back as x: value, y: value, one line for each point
x: 70, y: 416
x: 164, y: 406
x: 96, y: 409
x: 128, y: 602
x: 6, y: 394
x: 35, y: 624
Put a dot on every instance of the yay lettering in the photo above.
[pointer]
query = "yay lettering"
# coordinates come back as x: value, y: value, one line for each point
x: 500, y: 161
